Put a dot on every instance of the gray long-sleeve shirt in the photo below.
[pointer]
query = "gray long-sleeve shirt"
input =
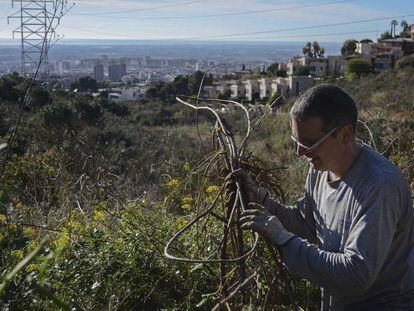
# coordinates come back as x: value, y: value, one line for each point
x: 355, y: 236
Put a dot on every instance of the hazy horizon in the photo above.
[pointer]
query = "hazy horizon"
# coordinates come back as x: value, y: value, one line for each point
x: 254, y: 20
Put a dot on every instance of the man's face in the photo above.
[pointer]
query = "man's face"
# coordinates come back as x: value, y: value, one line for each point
x: 325, y: 155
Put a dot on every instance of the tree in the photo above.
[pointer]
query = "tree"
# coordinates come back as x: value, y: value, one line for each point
x: 281, y: 73
x: 366, y: 41
x: 404, y: 33
x: 272, y: 69
x: 153, y: 92
x: 316, y: 49
x: 194, y: 81
x: 307, y: 49
x: 12, y: 86
x: 87, y: 109
x: 180, y: 85
x: 357, y: 67
x: 39, y: 97
x: 394, y: 24
x: 85, y: 84
x: 313, y: 49
x: 60, y: 114
x: 349, y: 47
x: 386, y: 35
x: 322, y: 52
x: 225, y: 95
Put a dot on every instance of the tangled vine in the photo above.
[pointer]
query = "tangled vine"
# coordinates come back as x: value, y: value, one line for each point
x: 233, y: 248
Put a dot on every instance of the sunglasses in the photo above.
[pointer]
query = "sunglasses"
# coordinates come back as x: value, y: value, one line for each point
x: 313, y: 146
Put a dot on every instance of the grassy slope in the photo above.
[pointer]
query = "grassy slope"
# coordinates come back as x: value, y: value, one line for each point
x: 97, y: 189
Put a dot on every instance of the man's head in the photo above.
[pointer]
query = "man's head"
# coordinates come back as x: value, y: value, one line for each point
x: 323, y: 124
x: 330, y: 103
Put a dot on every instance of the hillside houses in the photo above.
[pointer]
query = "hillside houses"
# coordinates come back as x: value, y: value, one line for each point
x: 384, y: 54
x: 257, y: 84
x: 302, y: 72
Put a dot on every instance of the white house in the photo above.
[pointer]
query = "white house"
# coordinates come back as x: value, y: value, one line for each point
x: 116, y: 97
x: 318, y: 67
x: 292, y: 85
x: 237, y: 90
x: 251, y: 87
x: 265, y: 87
x: 280, y: 85
x: 223, y: 86
x: 363, y: 48
x: 127, y: 94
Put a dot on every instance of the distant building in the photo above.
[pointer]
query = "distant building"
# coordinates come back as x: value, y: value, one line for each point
x: 222, y: 87
x: 251, y: 89
x: 292, y: 85
x: 114, y: 97
x: 237, y: 90
x: 62, y: 66
x: 336, y: 65
x: 292, y: 65
x: 411, y: 30
x: 318, y: 67
x: 384, y: 54
x: 406, y: 46
x: 363, y: 48
x: 265, y: 86
x: 127, y: 94
x: 116, y: 71
x: 98, y: 72
x: 280, y: 85
x: 383, y: 62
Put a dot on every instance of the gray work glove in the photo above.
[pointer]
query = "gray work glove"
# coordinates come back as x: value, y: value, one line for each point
x: 259, y: 219
x: 250, y: 189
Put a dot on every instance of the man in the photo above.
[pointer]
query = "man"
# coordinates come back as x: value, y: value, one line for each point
x: 353, y: 231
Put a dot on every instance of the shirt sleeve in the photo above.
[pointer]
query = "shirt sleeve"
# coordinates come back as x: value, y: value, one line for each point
x: 299, y: 218
x: 356, y: 268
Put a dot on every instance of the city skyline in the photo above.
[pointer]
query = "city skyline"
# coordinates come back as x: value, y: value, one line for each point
x: 211, y: 20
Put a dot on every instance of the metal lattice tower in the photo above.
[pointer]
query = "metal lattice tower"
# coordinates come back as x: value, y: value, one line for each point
x: 37, y: 31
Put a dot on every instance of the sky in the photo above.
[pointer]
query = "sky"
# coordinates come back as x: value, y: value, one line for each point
x: 240, y: 20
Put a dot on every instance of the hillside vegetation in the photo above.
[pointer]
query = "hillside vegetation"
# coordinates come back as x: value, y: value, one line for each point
x: 108, y: 184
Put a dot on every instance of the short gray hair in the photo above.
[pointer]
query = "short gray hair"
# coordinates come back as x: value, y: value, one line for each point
x: 330, y: 103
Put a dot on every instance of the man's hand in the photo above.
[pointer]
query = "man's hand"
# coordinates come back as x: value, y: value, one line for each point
x: 259, y: 219
x: 253, y: 193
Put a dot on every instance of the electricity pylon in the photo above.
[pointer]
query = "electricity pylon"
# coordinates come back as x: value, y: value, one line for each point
x: 38, y: 22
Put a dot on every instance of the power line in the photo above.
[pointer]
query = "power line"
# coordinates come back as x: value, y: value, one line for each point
x: 107, y: 33
x: 315, y: 5
x: 321, y: 34
x: 298, y: 28
x: 152, y: 8
x: 237, y: 35
x: 267, y: 37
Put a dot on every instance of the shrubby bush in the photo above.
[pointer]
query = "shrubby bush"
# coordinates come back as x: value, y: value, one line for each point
x: 110, y: 183
x: 407, y: 61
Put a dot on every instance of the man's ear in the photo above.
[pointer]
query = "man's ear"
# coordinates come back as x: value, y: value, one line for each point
x: 346, y: 133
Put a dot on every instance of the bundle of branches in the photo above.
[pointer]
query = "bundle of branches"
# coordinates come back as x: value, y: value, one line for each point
x: 242, y: 262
